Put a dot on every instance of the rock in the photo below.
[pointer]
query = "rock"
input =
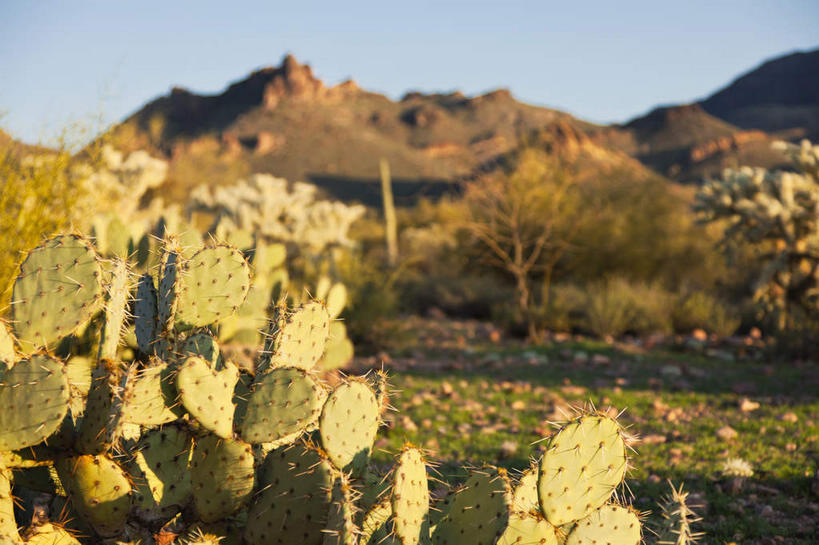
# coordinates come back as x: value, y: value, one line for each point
x: 580, y: 357
x: 508, y: 449
x: 700, y: 335
x: 518, y: 405
x: 789, y: 416
x: 653, y: 439
x: 446, y: 388
x: 671, y: 370
x: 755, y: 333
x: 727, y: 433
x: 407, y: 424
x: 746, y: 405
x: 600, y: 359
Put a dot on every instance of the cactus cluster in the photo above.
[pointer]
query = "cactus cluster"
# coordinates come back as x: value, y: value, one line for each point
x: 779, y: 211
x: 181, y: 445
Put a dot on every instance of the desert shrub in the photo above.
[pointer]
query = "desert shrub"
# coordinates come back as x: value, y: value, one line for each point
x: 616, y: 306
x: 372, y: 299
x: 41, y: 194
x: 701, y: 310
x: 561, y: 307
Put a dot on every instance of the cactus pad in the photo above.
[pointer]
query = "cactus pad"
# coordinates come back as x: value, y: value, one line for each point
x: 298, y: 337
x: 341, y: 529
x: 207, y: 394
x: 374, y: 525
x: 205, y: 346
x: 584, y: 463
x: 294, y: 500
x: 611, y: 523
x: 530, y: 529
x: 8, y: 525
x: 7, y: 355
x: 336, y: 300
x: 348, y: 425
x: 116, y: 303
x: 525, y: 498
x: 479, y: 512
x: 222, y: 477
x: 145, y: 314
x: 99, y: 489
x: 283, y: 404
x: 150, y: 397
x: 410, y: 499
x: 56, y: 293
x: 50, y: 534
x: 34, y: 399
x: 162, y: 466
x: 169, y: 273
x: 214, y: 283
x: 101, y: 425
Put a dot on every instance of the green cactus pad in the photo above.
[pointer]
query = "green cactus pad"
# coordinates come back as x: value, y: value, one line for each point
x: 8, y: 525
x: 146, y: 319
x: 529, y: 529
x: 80, y: 371
x: 56, y: 293
x: 161, y: 463
x: 348, y: 425
x: 298, y: 337
x: 101, y: 425
x: 374, y: 527
x: 525, y: 498
x: 341, y: 529
x: 336, y: 300
x: 584, y: 463
x: 205, y: 346
x: 322, y: 288
x: 410, y: 499
x: 150, y: 396
x: 207, y: 394
x: 116, y: 303
x: 339, y: 350
x: 99, y: 489
x: 214, y: 283
x: 611, y: 523
x: 7, y: 355
x: 170, y: 265
x: 294, y: 499
x: 479, y: 512
x: 222, y: 476
x: 34, y: 400
x: 284, y: 403
x: 267, y: 257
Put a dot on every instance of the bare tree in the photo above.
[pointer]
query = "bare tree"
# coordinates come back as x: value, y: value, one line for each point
x: 523, y: 216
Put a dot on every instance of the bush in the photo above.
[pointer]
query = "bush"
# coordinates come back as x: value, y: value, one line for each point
x: 700, y: 310
x: 617, y: 306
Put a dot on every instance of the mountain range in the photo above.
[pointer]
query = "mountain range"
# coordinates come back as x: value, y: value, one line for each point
x: 286, y: 121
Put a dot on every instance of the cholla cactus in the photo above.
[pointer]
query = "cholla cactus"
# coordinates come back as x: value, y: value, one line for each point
x: 736, y: 467
x: 780, y: 212
x: 679, y: 519
x: 276, y: 210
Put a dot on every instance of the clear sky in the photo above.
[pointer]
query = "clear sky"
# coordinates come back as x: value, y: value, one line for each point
x: 603, y: 61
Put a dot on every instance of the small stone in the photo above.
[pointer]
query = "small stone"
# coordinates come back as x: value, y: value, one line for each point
x: 580, y: 357
x: 700, y: 335
x: 446, y: 388
x: 653, y: 439
x: 601, y: 359
x: 407, y: 424
x: 518, y: 405
x: 508, y: 449
x: 746, y: 405
x: 789, y: 416
x: 727, y: 433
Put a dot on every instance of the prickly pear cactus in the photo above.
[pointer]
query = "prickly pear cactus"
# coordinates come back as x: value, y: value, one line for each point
x: 56, y: 293
x: 7, y: 355
x: 34, y: 399
x: 297, y: 338
x: 117, y: 297
x: 146, y: 319
x: 283, y: 404
x: 294, y: 499
x: 161, y: 469
x: 410, y: 499
x: 528, y: 528
x: 222, y: 475
x: 8, y: 525
x: 341, y: 528
x: 348, y: 425
x: 611, y: 523
x: 150, y: 397
x: 584, y: 463
x: 207, y: 394
x: 99, y: 489
x: 212, y: 285
x: 479, y: 512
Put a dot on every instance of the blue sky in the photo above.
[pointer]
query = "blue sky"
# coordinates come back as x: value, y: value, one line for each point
x: 604, y: 61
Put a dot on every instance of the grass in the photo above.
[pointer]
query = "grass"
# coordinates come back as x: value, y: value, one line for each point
x: 476, y: 402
